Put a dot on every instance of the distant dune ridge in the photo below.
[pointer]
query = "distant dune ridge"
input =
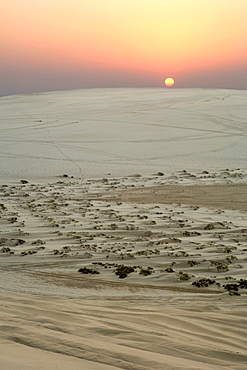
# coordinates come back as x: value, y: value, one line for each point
x: 123, y: 232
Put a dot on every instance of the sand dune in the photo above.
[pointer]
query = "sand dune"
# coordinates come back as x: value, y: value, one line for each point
x: 113, y: 253
x: 128, y: 333
x: 90, y: 133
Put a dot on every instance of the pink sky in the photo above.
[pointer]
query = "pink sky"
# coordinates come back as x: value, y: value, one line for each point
x: 59, y: 44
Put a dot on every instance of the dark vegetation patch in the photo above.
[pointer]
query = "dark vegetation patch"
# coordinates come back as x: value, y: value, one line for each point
x: 220, y: 265
x: 85, y: 270
x: 20, y: 242
x: 7, y: 250
x: 38, y: 241
x: 193, y: 263
x: 12, y: 219
x: 191, y: 233
x: 232, y: 288
x: 204, y: 282
x: 169, y: 269
x: 146, y: 272
x: 183, y: 276
x: 242, y: 284
x: 123, y: 271
x: 25, y: 253
x: 3, y: 241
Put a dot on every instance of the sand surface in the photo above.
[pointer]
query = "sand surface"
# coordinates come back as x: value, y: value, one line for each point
x: 91, y: 133
x: 163, y: 244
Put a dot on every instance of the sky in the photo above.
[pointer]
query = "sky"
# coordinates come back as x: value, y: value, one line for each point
x: 49, y: 45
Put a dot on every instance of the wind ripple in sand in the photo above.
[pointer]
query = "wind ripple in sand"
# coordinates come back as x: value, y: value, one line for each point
x: 132, y: 333
x: 67, y: 320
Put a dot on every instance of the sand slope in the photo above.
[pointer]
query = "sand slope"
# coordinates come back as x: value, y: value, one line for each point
x: 130, y: 333
x: 90, y: 133
x: 107, y: 181
x: 159, y: 321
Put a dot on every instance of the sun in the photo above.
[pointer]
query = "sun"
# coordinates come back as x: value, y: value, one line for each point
x: 169, y: 82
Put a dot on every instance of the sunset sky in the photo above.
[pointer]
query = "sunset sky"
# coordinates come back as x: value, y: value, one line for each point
x: 66, y: 44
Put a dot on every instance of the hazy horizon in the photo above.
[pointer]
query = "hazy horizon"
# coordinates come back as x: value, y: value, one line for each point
x: 116, y: 87
x: 53, y: 46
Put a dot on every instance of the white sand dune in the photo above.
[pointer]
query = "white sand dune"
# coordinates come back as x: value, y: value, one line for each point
x: 90, y: 133
x: 156, y: 186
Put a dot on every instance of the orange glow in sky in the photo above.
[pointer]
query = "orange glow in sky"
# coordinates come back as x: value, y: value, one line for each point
x: 143, y: 40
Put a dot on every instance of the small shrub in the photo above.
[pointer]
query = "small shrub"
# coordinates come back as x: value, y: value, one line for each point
x: 228, y: 249
x: 20, y: 242
x: 5, y: 249
x: 234, y: 292
x: 209, y: 227
x: 123, y: 271
x: 243, y: 283
x: 145, y: 272
x: 12, y: 220
x: 169, y: 269
x: 85, y: 270
x: 222, y: 268
x: 25, y: 253
x: 191, y: 233
x: 193, y: 263
x: 204, y: 282
x: 38, y: 241
x: 3, y: 241
x: 220, y: 265
x: 231, y: 287
x: 230, y: 259
x: 183, y: 276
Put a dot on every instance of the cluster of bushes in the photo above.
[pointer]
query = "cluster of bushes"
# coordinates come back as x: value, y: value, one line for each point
x: 2, y: 206
x: 169, y: 269
x: 85, y: 270
x: 232, y: 288
x: 7, y: 250
x: 146, y: 272
x: 204, y: 282
x: 25, y: 253
x: 121, y: 271
x: 220, y: 265
x: 242, y: 284
x: 193, y: 263
x: 183, y: 276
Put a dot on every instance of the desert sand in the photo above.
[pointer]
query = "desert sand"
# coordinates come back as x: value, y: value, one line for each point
x: 123, y: 232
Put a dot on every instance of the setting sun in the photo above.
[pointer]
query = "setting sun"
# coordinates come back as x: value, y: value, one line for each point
x: 169, y: 82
